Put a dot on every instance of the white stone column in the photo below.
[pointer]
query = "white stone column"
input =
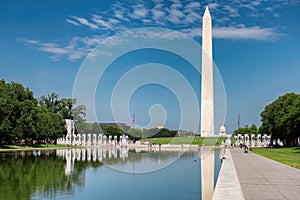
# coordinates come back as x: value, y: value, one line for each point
x: 83, y: 139
x: 100, y: 136
x: 89, y: 139
x: 239, y: 139
x: 95, y: 139
x: 127, y: 138
x: 252, y: 140
x: 104, y: 139
x: 109, y: 140
x: 246, y: 139
x: 124, y: 142
x: 268, y: 140
x: 115, y: 140
x: 236, y: 140
x: 258, y: 138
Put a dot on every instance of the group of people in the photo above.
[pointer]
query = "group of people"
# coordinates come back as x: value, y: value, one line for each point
x: 246, y: 148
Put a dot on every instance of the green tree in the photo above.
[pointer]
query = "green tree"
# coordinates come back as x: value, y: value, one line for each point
x: 253, y: 127
x: 50, y: 126
x: 113, y: 130
x: 51, y: 102
x: 18, y: 108
x: 247, y: 130
x: 64, y: 106
x: 281, y: 119
x: 79, y: 115
x: 95, y: 128
x: 164, y: 132
x: 135, y: 133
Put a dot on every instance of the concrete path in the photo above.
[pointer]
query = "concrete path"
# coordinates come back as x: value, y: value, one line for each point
x: 228, y: 186
x: 263, y: 178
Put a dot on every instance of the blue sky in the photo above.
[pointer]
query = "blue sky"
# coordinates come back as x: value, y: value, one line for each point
x: 256, y: 49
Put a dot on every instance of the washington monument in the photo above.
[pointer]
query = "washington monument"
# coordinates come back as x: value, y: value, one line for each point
x: 207, y: 91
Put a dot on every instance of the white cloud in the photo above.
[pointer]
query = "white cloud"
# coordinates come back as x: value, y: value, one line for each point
x: 270, y: 9
x: 53, y: 49
x: 77, y: 48
x: 158, y: 14
x: 175, y: 15
x: 234, y: 12
x: 139, y: 12
x: 212, y: 6
x: 118, y: 11
x: 28, y: 41
x: 72, y: 22
x: 99, y: 21
x: 193, y: 32
x: 245, y: 33
x: 176, y: 5
x: 84, y: 21
x: 184, y: 16
x: 193, y: 5
x: 222, y: 20
x: 192, y: 18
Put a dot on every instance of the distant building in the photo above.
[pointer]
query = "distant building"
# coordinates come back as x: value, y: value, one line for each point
x: 123, y: 126
x: 182, y: 133
x: 160, y: 126
x: 222, y: 131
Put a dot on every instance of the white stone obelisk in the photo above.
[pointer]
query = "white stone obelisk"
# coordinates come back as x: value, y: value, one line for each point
x: 207, y: 91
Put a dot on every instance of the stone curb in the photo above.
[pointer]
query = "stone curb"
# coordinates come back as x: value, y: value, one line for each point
x: 228, y: 185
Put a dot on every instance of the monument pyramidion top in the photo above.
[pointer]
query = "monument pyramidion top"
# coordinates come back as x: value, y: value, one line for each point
x: 206, y: 13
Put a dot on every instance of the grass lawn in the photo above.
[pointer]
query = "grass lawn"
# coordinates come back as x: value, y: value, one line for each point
x: 289, y: 156
x: 209, y: 141
x: 32, y: 146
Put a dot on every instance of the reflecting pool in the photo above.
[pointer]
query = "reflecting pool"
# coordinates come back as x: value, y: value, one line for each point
x: 112, y: 173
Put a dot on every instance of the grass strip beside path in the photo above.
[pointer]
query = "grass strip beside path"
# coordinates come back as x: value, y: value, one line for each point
x: 289, y: 156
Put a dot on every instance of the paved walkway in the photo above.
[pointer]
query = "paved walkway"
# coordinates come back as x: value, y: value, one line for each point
x: 263, y: 178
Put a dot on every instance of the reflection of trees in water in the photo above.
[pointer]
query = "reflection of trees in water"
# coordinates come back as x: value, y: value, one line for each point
x: 24, y: 173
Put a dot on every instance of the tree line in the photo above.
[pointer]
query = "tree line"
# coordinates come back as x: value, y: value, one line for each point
x: 280, y: 119
x: 133, y: 133
x: 24, y: 119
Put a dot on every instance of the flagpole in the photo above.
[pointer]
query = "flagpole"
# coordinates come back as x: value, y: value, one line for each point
x: 239, y: 121
x: 133, y: 121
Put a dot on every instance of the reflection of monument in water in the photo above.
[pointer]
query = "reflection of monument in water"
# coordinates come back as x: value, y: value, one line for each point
x: 207, y: 159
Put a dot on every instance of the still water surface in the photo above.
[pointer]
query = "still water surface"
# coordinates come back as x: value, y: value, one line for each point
x: 107, y: 174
